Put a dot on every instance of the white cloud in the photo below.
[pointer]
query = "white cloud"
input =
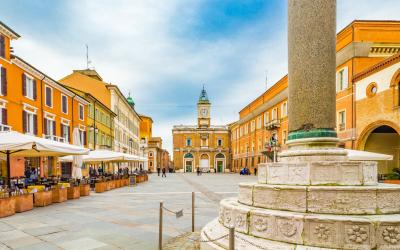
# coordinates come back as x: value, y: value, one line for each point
x: 142, y: 47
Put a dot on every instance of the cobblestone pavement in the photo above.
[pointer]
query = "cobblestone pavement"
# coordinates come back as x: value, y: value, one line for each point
x: 124, y: 218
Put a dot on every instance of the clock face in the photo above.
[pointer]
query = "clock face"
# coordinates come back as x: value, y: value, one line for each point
x: 204, y: 112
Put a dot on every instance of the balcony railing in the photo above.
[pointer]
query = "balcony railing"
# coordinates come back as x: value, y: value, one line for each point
x: 55, y: 138
x: 342, y: 126
x: 5, y: 128
x: 274, y: 124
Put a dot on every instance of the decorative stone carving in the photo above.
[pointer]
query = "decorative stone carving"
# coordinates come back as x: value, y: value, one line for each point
x: 241, y: 223
x: 246, y: 193
x: 322, y: 231
x: 369, y: 171
x: 298, y: 174
x: 357, y: 234
x: 351, y: 173
x: 292, y: 198
x: 341, y: 200
x: 391, y: 235
x: 260, y: 223
x: 388, y: 199
x: 287, y: 228
x: 227, y: 217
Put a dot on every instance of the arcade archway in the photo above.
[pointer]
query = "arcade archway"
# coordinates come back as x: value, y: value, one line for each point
x: 382, y: 138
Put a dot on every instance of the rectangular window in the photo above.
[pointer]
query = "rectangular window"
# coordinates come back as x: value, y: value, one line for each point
x: 2, y: 46
x: 81, y: 112
x: 65, y: 132
x: 342, y: 78
x: 259, y: 122
x: 29, y: 87
x: 49, y: 96
x: 266, y: 118
x: 188, y: 142
x: 274, y: 113
x: 29, y: 122
x: 64, y: 104
x: 342, y: 120
x: 49, y: 127
x: 284, y: 110
x: 219, y: 142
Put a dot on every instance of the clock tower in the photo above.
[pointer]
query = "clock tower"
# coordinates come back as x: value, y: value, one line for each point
x: 203, y: 110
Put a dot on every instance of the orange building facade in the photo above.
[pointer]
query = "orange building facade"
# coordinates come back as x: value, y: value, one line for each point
x: 262, y: 128
x: 33, y: 103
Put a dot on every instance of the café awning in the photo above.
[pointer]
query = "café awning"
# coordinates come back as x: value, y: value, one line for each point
x: 18, y: 144
x: 100, y: 155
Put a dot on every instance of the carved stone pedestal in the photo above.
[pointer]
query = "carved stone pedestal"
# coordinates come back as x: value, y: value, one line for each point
x: 309, y: 201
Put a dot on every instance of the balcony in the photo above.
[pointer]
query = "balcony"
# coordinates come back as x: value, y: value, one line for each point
x: 274, y: 124
x: 5, y: 128
x: 342, y: 126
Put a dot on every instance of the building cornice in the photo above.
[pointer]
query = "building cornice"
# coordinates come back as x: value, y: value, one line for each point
x: 4, y: 29
x: 377, y: 67
x: 46, y: 79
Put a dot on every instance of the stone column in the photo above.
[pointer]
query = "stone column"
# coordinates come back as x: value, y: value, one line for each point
x: 312, y: 66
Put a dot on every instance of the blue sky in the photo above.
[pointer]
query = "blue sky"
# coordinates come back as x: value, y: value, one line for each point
x: 162, y: 52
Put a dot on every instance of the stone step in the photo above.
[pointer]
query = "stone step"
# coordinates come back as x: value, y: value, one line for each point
x: 343, y: 173
x: 316, y: 230
x: 347, y: 200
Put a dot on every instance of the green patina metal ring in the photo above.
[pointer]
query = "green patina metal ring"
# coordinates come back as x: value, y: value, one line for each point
x: 320, y: 132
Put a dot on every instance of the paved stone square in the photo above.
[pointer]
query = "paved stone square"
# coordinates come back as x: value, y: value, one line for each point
x: 124, y: 218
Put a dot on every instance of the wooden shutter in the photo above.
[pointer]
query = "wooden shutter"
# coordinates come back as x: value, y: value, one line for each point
x: 4, y: 116
x: 35, y: 128
x: 3, y: 81
x: 45, y: 126
x: 69, y: 133
x: 62, y: 130
x: 24, y: 125
x: 64, y: 104
x: 34, y: 90
x: 84, y: 138
x: 23, y: 84
x: 54, y: 128
x: 2, y: 47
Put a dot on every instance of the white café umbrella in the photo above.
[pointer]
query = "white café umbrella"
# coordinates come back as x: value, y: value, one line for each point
x: 98, y: 156
x: 357, y: 155
x: 18, y: 144
x: 77, y: 160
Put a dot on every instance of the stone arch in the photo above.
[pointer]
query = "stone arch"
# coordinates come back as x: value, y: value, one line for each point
x: 188, y: 162
x: 362, y: 138
x: 220, y: 162
x: 395, y: 85
x: 382, y: 137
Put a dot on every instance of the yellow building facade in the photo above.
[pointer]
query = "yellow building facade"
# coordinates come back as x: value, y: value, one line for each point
x: 203, y: 145
x: 262, y: 128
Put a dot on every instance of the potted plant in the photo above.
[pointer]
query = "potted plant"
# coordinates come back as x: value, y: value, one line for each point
x: 393, y: 177
x: 23, y: 201
x: 43, y: 198
x: 84, y: 188
x: 59, y: 193
x: 7, y: 204
x: 73, y: 192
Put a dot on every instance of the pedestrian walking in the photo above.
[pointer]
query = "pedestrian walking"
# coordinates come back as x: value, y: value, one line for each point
x: 198, y: 171
x: 164, y: 173
x: 255, y: 171
x: 158, y: 171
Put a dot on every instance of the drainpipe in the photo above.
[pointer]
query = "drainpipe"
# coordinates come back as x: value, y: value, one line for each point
x: 94, y: 126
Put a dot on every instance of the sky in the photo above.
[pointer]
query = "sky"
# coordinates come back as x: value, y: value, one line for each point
x: 162, y: 52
